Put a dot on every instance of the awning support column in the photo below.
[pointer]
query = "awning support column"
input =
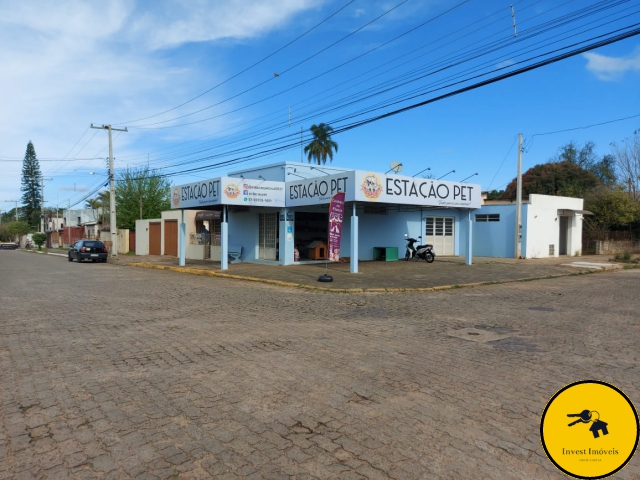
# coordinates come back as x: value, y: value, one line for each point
x: 353, y: 266
x: 182, y: 241
x: 224, y: 241
x: 469, y: 260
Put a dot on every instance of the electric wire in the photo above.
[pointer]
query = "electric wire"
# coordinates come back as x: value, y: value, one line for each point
x: 244, y: 70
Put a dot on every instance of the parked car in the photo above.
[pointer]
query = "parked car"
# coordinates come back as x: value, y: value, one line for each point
x: 8, y: 246
x: 93, y: 250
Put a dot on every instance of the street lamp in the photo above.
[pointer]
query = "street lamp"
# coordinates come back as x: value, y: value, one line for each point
x: 452, y: 171
x: 468, y: 177
x: 428, y: 168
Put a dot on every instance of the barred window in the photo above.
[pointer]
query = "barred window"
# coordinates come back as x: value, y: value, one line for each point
x: 488, y: 217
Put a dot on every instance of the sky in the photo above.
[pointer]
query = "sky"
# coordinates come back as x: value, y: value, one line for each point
x: 208, y: 87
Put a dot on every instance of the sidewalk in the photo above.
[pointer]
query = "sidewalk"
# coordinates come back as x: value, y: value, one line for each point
x: 445, y: 272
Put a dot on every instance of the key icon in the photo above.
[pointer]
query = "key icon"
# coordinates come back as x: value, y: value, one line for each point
x: 584, y: 417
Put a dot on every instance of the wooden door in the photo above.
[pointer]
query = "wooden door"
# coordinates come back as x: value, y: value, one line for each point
x: 171, y: 237
x: 155, y: 238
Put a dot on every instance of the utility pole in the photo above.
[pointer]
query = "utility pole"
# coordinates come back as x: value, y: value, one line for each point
x: 519, y: 201
x: 16, y: 202
x: 112, y: 190
x: 42, y: 222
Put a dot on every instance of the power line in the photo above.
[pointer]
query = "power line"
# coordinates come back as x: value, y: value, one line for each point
x: 554, y: 59
x: 515, y: 137
x: 248, y: 68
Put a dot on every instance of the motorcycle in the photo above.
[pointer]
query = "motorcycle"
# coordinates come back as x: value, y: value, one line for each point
x: 424, y: 252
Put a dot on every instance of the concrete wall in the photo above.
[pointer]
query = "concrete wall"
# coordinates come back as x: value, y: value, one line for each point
x: 387, y: 230
x: 123, y: 241
x: 495, y: 239
x: 142, y: 235
x: 243, y: 231
x: 543, y: 226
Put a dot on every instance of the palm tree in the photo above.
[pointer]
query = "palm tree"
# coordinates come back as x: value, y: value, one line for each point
x: 321, y: 146
x: 94, y: 204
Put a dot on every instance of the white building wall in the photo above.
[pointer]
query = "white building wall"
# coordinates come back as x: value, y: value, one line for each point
x: 543, y: 225
x: 142, y: 236
x: 288, y: 171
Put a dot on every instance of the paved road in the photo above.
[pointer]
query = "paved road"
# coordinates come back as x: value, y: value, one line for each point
x: 117, y: 372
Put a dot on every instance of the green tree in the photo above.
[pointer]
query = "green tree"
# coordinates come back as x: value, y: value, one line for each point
x: 612, y: 209
x: 564, y: 178
x: 605, y: 170
x: 39, y: 239
x: 17, y: 230
x: 321, y: 146
x: 495, y: 194
x: 94, y: 204
x: 586, y: 158
x: 141, y: 193
x: 31, y: 196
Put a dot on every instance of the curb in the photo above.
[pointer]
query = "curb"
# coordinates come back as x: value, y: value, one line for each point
x: 210, y: 273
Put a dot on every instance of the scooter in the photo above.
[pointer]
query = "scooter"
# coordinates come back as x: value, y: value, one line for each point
x: 424, y: 252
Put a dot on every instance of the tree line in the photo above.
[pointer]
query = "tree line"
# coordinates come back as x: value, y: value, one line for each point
x: 609, y: 184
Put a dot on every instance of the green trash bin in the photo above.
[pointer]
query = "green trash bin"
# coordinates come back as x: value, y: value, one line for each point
x: 385, y: 254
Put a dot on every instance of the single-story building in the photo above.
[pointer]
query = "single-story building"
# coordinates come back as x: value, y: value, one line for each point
x: 279, y: 214
x: 551, y: 226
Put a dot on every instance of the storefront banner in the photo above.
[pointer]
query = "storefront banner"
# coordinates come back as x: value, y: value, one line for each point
x: 379, y: 187
x: 252, y: 192
x: 198, y: 194
x: 336, y: 214
x: 228, y: 191
x: 319, y: 190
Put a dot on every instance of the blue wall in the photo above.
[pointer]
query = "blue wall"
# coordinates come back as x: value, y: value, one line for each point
x: 243, y: 231
x: 497, y: 239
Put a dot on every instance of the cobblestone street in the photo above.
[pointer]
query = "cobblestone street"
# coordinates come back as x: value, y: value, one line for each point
x: 117, y: 372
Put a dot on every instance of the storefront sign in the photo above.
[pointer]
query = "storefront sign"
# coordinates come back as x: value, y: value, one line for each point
x: 319, y: 190
x: 196, y: 194
x: 356, y: 185
x: 209, y: 215
x: 228, y: 191
x: 250, y: 192
x: 336, y: 214
x: 378, y: 187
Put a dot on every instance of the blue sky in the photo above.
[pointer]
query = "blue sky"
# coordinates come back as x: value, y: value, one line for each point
x: 68, y: 64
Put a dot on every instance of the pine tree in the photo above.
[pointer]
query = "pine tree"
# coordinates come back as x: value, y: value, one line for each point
x: 31, y: 196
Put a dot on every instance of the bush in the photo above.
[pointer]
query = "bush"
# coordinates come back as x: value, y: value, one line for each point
x: 623, y: 256
x: 39, y: 239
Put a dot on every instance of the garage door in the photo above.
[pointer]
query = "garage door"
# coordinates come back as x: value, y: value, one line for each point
x: 154, y: 238
x: 171, y: 237
x: 439, y: 233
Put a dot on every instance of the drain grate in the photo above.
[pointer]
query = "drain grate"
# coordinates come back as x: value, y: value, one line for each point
x: 481, y: 335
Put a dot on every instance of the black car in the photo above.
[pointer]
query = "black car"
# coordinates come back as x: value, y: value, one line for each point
x: 93, y: 250
x: 8, y: 246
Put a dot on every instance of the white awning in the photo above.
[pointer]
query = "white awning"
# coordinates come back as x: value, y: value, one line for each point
x: 571, y: 212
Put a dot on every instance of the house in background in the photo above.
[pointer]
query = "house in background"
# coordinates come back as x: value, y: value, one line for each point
x: 551, y: 226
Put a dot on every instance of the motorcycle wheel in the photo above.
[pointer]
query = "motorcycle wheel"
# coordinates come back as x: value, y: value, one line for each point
x: 429, y: 257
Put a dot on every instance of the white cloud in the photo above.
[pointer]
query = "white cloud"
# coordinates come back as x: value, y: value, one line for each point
x: 169, y: 23
x: 612, y: 68
x: 67, y: 64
